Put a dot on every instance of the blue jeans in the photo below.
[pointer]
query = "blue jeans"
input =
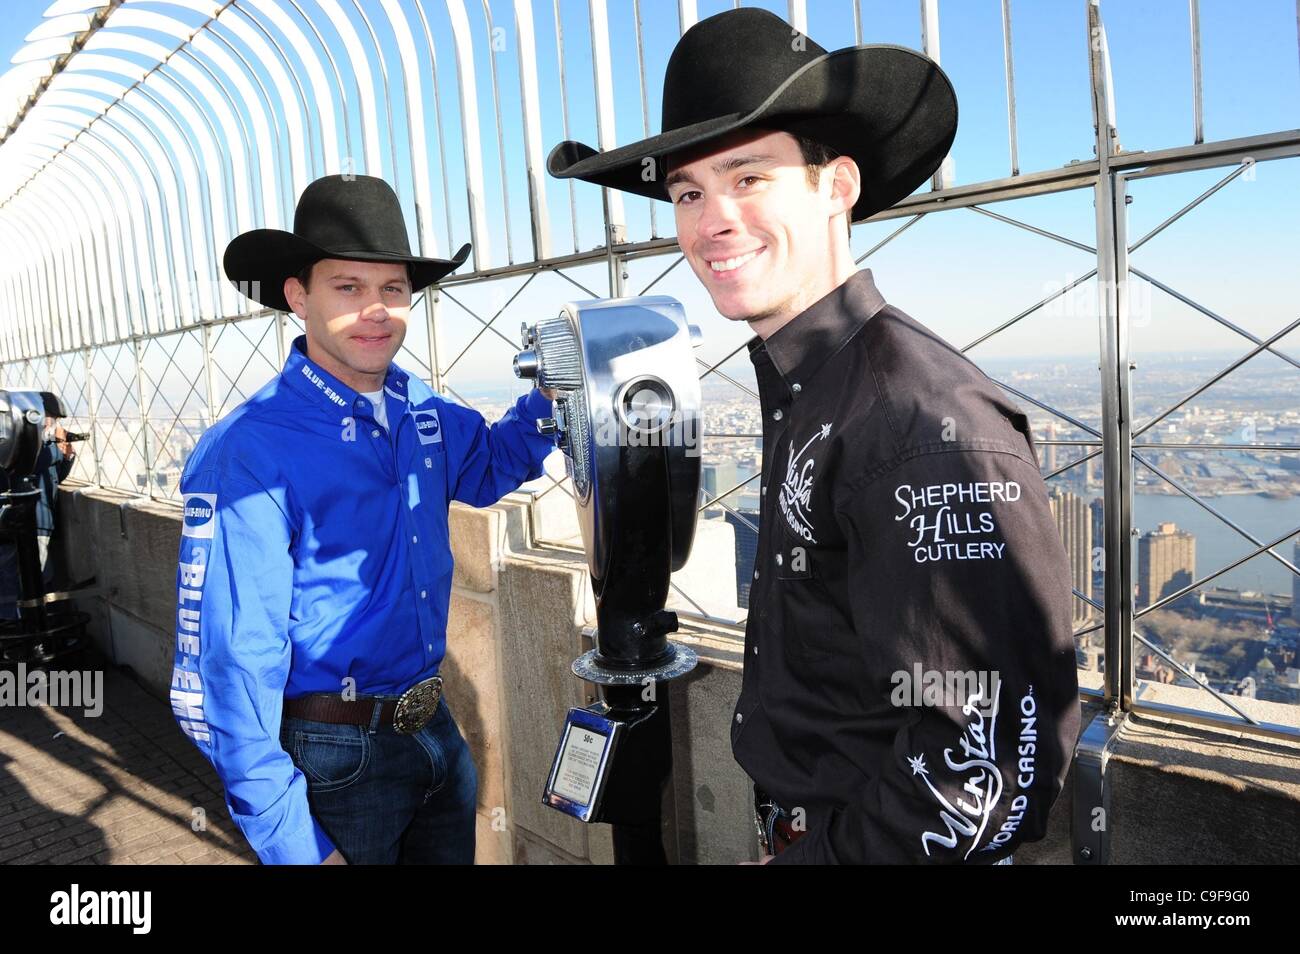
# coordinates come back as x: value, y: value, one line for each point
x: 385, y: 797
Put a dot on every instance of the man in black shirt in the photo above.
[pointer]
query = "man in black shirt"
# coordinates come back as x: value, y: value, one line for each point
x: 53, y: 464
x: 909, y: 692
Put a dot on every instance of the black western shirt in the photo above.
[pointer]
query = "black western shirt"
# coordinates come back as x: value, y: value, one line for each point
x: 909, y: 690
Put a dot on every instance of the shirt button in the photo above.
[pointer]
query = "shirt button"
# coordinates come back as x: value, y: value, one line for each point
x: 776, y: 415
x: 424, y: 594
x: 739, y: 717
x: 374, y: 433
x: 415, y: 539
x: 428, y: 462
x: 756, y: 574
x: 778, y: 559
x: 431, y: 647
x: 796, y: 388
x: 762, y: 489
x: 755, y: 650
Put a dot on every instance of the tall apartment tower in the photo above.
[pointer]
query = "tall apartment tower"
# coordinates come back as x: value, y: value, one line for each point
x: 1047, y: 452
x: 1295, y: 586
x: 1074, y: 524
x: 1098, y: 510
x: 745, y: 523
x: 1166, y: 562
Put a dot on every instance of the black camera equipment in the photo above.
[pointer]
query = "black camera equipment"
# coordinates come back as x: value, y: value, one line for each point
x: 48, y: 627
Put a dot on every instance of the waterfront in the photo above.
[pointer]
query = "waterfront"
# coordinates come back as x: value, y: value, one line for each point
x: 1217, y: 543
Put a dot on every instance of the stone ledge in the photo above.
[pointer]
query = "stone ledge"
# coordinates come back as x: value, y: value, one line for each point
x: 1234, y: 759
x: 1185, y: 794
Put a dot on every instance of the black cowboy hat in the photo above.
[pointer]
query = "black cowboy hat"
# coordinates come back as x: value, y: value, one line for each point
x: 54, y: 406
x: 889, y: 108
x: 351, y: 217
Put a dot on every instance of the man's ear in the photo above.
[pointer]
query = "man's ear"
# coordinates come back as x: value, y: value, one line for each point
x: 296, y: 295
x: 846, y: 183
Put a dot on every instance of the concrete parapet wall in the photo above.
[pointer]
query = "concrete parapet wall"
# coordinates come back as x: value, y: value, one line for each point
x: 1179, y: 794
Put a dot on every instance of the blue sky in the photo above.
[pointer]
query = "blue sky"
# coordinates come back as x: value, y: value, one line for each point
x: 21, y: 17
x: 958, y: 271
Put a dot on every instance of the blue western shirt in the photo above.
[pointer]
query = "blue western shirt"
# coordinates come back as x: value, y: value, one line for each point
x: 315, y: 557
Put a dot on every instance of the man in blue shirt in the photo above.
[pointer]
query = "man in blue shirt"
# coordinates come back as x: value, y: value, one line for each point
x: 315, y: 566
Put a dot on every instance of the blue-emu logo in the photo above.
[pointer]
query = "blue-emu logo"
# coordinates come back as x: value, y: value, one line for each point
x: 428, y: 427
x: 200, y: 511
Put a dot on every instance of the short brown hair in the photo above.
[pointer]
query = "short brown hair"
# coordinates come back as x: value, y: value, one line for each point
x: 304, y: 275
x: 816, y: 156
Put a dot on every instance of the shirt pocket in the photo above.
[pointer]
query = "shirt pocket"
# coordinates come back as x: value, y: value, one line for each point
x: 428, y: 467
x: 813, y: 625
x: 800, y: 594
x: 428, y: 460
x: 429, y: 436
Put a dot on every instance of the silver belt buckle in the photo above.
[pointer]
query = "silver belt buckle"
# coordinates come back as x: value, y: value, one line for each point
x: 417, y: 705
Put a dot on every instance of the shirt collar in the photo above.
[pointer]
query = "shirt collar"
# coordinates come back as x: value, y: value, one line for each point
x: 802, y: 345
x: 311, y: 380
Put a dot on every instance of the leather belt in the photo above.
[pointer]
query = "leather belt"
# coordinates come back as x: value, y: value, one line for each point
x: 408, y: 713
x: 783, y: 834
x: 776, y: 830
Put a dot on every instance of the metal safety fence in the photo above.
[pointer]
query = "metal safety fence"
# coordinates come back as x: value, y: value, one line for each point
x: 146, y: 134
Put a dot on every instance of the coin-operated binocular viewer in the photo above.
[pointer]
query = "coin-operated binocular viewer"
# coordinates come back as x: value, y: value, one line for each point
x: 627, y: 416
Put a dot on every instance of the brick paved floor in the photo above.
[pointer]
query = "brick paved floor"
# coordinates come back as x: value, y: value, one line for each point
x: 123, y: 787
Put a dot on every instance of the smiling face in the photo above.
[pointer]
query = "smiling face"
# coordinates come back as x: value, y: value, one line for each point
x: 355, y: 314
x: 763, y: 240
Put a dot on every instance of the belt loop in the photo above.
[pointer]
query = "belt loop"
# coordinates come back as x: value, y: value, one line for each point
x: 374, y: 718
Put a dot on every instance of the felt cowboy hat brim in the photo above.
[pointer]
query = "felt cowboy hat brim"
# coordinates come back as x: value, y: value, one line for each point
x: 259, y: 261
x: 352, y: 217
x: 889, y: 108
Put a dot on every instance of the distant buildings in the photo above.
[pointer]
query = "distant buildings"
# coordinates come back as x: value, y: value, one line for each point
x: 746, y: 525
x: 1166, y: 562
x: 1295, y: 585
x: 718, y: 478
x: 1097, y: 513
x: 1095, y: 475
x: 1049, y: 449
x: 1074, y: 524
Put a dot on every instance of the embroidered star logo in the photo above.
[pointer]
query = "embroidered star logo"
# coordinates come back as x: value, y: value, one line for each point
x: 826, y: 431
x: 918, y: 765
